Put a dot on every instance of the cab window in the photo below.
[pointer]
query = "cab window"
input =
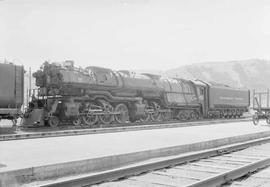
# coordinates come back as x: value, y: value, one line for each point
x: 201, y: 91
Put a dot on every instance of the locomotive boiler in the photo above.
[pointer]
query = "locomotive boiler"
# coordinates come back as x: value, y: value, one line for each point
x: 100, y: 95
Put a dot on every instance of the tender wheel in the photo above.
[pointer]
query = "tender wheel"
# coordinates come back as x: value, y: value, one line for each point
x: 255, y: 119
x: 77, y: 121
x: 197, y: 115
x: 123, y: 116
x: 182, y: 116
x: 220, y: 114
x: 237, y: 113
x: 54, y: 121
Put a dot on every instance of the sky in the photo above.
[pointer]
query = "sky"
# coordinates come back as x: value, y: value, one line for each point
x: 133, y: 34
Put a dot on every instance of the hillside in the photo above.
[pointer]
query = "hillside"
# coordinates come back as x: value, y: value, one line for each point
x: 253, y: 74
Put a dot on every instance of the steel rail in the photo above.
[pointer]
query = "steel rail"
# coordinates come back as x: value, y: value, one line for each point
x: 72, y: 132
x: 115, y: 174
x: 231, y: 175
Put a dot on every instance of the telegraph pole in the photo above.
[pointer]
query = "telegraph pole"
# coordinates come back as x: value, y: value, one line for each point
x: 30, y: 82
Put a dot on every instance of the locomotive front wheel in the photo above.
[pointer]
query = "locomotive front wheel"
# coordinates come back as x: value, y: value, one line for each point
x: 53, y: 121
x: 90, y: 119
x: 255, y: 119
x: 122, y: 117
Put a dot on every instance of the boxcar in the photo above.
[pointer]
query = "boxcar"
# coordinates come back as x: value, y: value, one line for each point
x: 11, y: 90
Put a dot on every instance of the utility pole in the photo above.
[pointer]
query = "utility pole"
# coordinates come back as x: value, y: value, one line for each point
x: 30, y: 82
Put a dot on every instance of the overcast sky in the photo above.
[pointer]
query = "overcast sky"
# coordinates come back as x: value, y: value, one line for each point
x: 134, y: 34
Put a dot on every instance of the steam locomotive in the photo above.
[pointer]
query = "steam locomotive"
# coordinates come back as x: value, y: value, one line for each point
x: 96, y: 95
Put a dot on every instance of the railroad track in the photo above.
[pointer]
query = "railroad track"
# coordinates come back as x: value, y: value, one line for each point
x: 48, y: 132
x: 208, y: 168
x: 259, y: 178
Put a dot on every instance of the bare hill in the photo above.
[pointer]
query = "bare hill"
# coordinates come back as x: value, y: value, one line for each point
x: 253, y: 74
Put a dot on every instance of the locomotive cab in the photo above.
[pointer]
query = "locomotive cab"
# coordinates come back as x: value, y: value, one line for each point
x: 201, y: 89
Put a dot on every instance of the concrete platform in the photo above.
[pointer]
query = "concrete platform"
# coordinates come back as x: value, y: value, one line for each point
x: 40, y: 159
x: 18, y: 134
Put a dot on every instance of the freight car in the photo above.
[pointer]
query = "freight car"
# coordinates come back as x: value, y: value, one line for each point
x: 11, y: 91
x: 100, y: 95
x: 261, y: 106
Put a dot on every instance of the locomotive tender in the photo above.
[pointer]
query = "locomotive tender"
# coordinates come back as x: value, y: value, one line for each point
x: 100, y: 95
x: 11, y: 91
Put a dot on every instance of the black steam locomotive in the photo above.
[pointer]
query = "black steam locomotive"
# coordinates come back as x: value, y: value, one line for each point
x: 100, y: 95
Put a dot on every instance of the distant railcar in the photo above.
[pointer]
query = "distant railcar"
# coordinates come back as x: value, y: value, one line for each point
x: 11, y: 90
x: 100, y: 95
x: 261, y: 106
